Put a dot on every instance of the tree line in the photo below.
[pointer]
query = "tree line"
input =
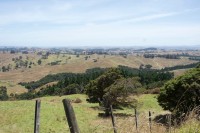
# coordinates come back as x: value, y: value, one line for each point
x: 71, y: 83
x: 65, y: 78
x: 167, y: 56
x: 180, y: 67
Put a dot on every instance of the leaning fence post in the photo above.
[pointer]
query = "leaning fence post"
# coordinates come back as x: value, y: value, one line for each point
x: 150, y: 121
x: 37, y: 116
x: 71, y: 118
x: 113, y: 119
x: 169, y: 122
x: 136, y: 121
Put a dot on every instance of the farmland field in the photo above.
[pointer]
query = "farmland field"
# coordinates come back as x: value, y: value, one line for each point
x: 71, y: 63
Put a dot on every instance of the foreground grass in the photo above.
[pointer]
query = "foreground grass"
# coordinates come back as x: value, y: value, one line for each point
x: 18, y: 116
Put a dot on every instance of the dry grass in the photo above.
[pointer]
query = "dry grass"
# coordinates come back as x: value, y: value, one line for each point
x: 78, y: 65
x: 179, y: 72
x: 127, y: 125
x: 48, y: 84
x: 191, y: 123
x: 13, y: 87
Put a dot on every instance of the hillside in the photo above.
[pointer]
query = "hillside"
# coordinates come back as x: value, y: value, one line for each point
x: 18, y: 116
x: 79, y: 64
x: 71, y: 63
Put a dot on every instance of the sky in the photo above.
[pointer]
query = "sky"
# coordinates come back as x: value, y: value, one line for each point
x: 104, y: 23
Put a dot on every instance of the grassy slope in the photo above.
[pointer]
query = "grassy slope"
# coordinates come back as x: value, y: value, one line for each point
x: 17, y: 116
x: 74, y: 64
x: 13, y: 87
x: 179, y: 72
x: 148, y: 102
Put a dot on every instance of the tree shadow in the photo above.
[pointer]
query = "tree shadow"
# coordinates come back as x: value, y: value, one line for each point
x: 102, y: 115
x: 166, y: 120
x: 102, y: 108
x: 162, y: 119
x: 96, y: 108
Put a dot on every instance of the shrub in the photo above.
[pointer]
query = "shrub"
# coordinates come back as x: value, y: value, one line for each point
x: 96, y: 88
x: 182, y: 94
x: 3, y: 93
x: 72, y: 89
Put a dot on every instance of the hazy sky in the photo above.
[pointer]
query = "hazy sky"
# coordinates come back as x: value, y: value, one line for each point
x: 99, y: 22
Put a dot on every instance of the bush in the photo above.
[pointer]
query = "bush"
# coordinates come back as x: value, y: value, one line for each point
x: 96, y: 88
x: 72, y: 89
x: 182, y: 94
x: 112, y: 89
x: 3, y: 93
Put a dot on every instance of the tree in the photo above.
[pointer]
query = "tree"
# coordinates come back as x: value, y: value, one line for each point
x: 148, y: 66
x: 181, y: 94
x: 12, y: 51
x: 112, y: 88
x: 4, y: 69
x: 96, y: 88
x: 17, y: 65
x: 3, y: 93
x: 26, y: 63
x: 72, y: 89
x: 118, y: 93
x: 39, y: 62
x: 30, y: 63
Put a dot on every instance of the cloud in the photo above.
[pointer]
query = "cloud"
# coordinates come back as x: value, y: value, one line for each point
x: 137, y: 19
x: 97, y: 22
x: 55, y: 15
x: 80, y: 12
x: 146, y: 17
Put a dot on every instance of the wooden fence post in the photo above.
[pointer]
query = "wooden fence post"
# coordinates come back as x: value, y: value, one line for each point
x: 113, y: 119
x: 169, y: 122
x: 37, y: 116
x: 150, y: 121
x: 136, y: 120
x: 71, y: 118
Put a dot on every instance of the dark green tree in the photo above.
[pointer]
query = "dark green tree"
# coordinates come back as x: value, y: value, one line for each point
x: 72, y: 89
x: 96, y: 88
x: 118, y: 93
x: 3, y: 93
x: 181, y: 94
x: 4, y: 69
x: 148, y: 66
x: 39, y: 62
